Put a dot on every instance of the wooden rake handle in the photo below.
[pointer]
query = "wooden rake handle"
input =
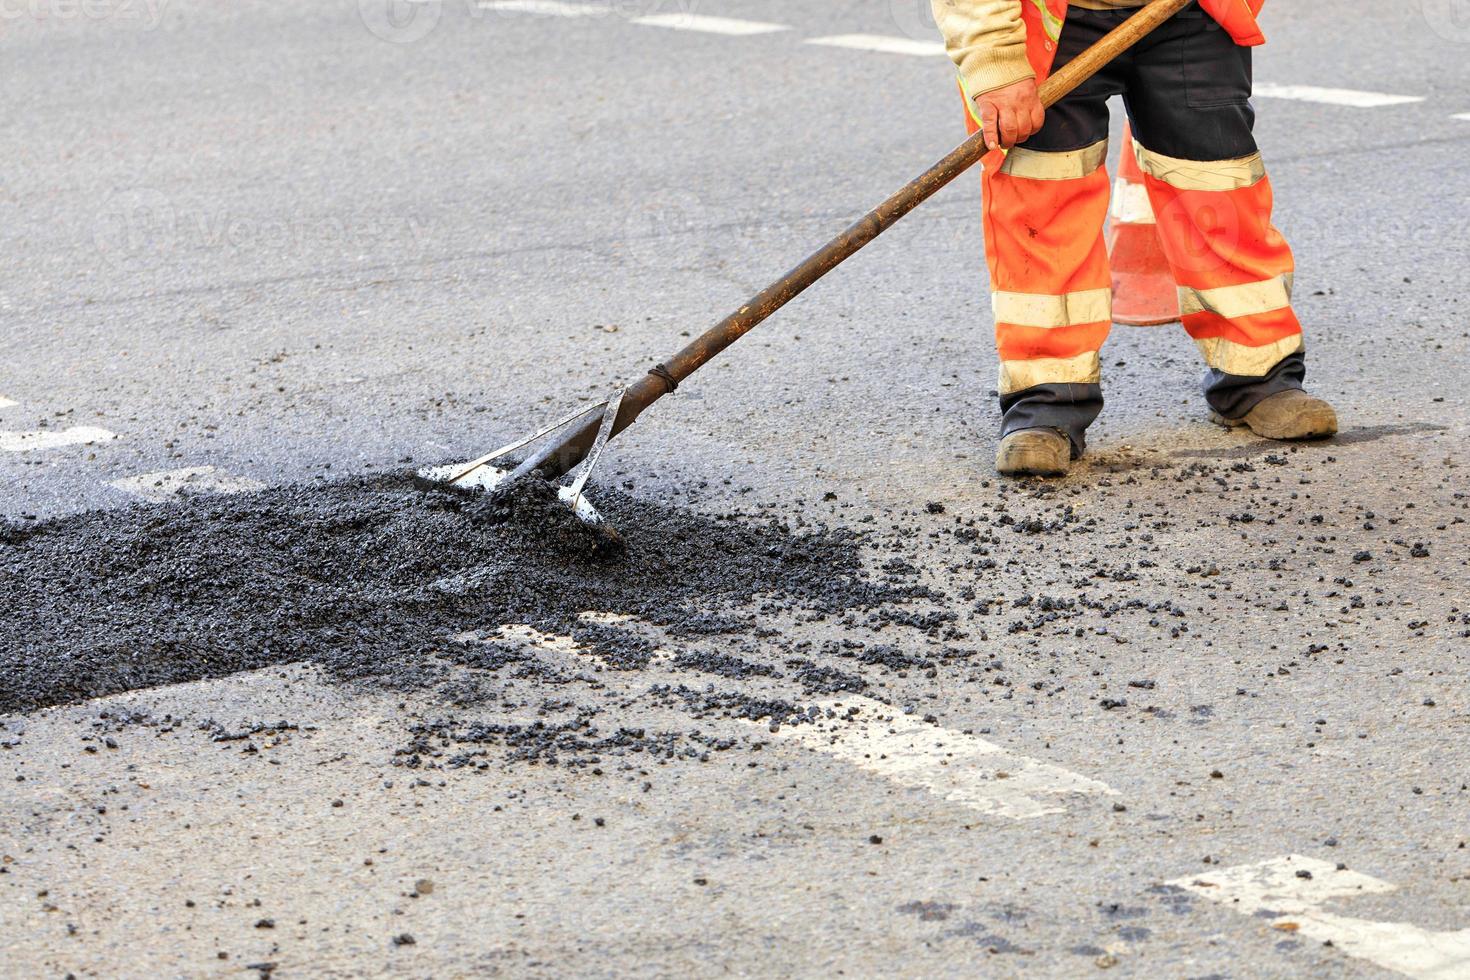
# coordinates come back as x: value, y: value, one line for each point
x: 666, y: 376
x: 1114, y: 43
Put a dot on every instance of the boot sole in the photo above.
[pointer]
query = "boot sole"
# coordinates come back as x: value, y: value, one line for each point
x: 1029, y: 467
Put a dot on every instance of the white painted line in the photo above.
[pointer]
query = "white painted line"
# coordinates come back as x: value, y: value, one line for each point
x: 546, y: 8
x: 605, y: 618
x: 168, y: 484
x: 558, y: 643
x: 534, y: 637
x: 710, y: 25
x: 518, y: 633
x: 1131, y: 204
x: 1333, y: 96
x: 1278, y: 886
x: 7, y: 403
x: 960, y: 768
x: 880, y: 43
x: 1274, y: 885
x: 1465, y: 116
x: 21, y: 442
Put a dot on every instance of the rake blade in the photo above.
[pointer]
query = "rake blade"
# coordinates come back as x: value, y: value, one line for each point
x: 479, y: 473
x: 491, y: 478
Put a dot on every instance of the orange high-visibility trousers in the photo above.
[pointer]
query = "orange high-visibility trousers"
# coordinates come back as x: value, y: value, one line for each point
x: 1232, y: 267
x: 1045, y: 203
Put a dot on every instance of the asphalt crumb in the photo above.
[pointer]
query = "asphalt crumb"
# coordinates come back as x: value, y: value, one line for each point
x: 529, y: 636
x: 380, y: 579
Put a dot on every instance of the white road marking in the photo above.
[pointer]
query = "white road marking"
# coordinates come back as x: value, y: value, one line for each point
x: 710, y: 25
x: 605, y: 618
x: 1333, y: 96
x: 21, y: 442
x: 960, y: 768
x: 168, y: 484
x: 533, y: 637
x: 1461, y: 115
x: 1131, y: 204
x: 556, y: 642
x: 7, y: 403
x: 880, y: 43
x: 546, y: 8
x: 1275, y: 887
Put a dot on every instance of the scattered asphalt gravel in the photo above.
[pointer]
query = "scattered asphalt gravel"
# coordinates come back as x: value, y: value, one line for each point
x: 1259, y: 558
x: 373, y: 578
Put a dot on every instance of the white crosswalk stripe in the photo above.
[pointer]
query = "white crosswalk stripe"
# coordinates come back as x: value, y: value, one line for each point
x: 81, y: 435
x: 1332, y: 96
x: 546, y: 8
x: 7, y: 403
x: 889, y: 44
x: 961, y: 768
x: 880, y: 43
x: 168, y: 484
x: 709, y: 25
x: 1291, y: 894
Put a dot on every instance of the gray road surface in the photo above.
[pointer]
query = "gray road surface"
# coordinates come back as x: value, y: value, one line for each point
x: 291, y: 242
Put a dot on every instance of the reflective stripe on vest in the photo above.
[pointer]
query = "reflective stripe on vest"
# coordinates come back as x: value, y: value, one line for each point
x: 1049, y: 21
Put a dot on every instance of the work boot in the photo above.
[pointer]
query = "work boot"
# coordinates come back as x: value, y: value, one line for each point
x: 1291, y: 414
x: 1034, y: 452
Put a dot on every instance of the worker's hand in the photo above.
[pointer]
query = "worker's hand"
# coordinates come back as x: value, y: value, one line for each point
x: 1010, y: 115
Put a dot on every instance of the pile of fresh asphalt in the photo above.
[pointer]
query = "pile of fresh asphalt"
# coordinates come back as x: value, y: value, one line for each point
x: 372, y: 578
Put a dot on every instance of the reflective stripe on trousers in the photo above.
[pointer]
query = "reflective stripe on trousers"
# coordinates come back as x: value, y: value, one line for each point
x: 1051, y: 290
x: 1044, y: 214
x: 1233, y: 268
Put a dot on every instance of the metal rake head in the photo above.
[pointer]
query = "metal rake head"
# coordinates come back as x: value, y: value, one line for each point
x: 480, y: 473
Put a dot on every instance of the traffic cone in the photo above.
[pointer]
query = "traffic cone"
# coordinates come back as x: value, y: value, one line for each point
x: 1143, y: 287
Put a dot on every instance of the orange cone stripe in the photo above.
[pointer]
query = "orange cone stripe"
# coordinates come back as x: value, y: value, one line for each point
x: 1143, y: 285
x: 1130, y: 203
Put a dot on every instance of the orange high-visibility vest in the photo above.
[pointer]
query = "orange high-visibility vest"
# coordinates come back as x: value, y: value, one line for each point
x: 1043, y: 19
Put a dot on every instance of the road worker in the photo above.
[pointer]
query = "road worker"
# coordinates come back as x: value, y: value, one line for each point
x: 1186, y: 88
